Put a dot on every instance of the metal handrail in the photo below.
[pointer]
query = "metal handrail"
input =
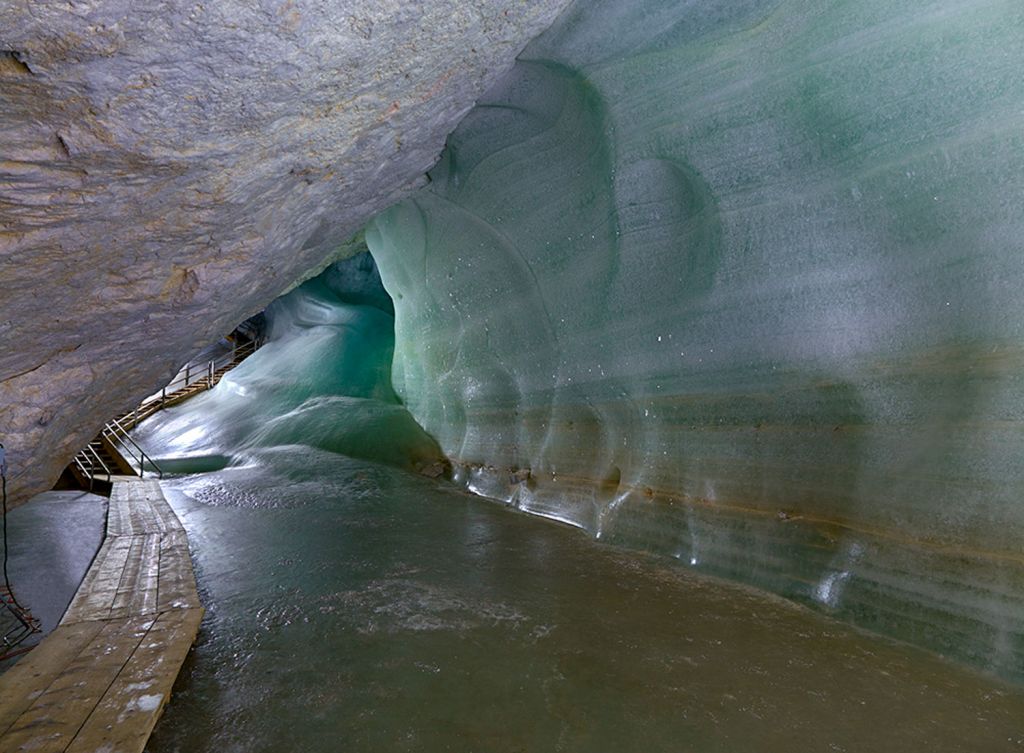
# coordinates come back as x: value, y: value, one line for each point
x: 83, y: 470
x: 111, y: 434
x: 96, y: 456
x: 120, y: 434
x: 116, y: 433
x: 197, y: 371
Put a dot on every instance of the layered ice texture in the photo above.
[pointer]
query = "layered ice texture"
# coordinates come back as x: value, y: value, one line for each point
x: 740, y: 283
x: 321, y: 381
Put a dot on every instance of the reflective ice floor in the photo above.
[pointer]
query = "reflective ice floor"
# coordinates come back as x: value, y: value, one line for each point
x: 53, y: 540
x: 355, y: 607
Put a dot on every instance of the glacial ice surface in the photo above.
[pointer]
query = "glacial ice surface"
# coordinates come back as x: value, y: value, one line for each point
x: 739, y: 282
x: 382, y: 612
x: 322, y: 380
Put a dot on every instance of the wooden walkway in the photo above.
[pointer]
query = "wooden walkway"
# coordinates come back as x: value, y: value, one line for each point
x: 99, y: 682
x: 114, y: 451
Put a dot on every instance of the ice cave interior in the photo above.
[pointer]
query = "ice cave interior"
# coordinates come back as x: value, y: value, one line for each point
x: 731, y: 288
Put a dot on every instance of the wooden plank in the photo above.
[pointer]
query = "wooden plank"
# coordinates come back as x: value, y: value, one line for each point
x: 94, y: 568
x: 56, y: 715
x: 100, y: 681
x: 176, y: 588
x: 23, y: 683
x: 136, y: 508
x: 129, y: 578
x: 116, y: 512
x: 144, y: 597
x: 149, y: 487
x: 127, y: 713
x: 156, y: 514
x: 169, y: 520
x: 96, y: 595
x: 140, y: 573
x: 139, y: 514
x: 120, y: 583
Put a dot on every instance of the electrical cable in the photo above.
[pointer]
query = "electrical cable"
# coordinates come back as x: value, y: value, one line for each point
x: 7, y: 580
x: 14, y: 637
x: 3, y: 487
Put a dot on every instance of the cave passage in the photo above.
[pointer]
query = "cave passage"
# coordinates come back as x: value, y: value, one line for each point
x: 322, y: 379
x: 739, y: 283
x: 735, y: 286
x: 355, y: 606
x: 640, y: 375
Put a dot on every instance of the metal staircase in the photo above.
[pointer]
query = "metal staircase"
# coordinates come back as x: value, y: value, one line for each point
x: 114, y: 453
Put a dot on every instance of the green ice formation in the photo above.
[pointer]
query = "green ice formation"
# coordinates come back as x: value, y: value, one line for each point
x: 322, y: 381
x: 739, y: 282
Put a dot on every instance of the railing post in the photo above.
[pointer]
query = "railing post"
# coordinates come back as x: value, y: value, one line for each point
x: 188, y: 366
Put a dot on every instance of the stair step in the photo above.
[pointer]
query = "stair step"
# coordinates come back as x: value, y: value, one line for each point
x: 95, y: 455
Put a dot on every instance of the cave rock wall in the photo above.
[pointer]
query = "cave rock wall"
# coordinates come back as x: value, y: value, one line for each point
x: 168, y: 168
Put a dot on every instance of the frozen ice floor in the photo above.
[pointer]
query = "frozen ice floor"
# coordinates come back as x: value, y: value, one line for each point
x: 354, y: 607
x: 53, y: 539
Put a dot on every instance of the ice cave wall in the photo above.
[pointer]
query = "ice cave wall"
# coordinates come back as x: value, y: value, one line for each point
x: 740, y: 282
x: 322, y: 380
x: 168, y: 168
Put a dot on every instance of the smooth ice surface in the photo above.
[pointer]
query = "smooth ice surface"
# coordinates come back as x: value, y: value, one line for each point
x: 739, y: 282
x: 53, y: 539
x: 323, y: 379
x: 380, y: 611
